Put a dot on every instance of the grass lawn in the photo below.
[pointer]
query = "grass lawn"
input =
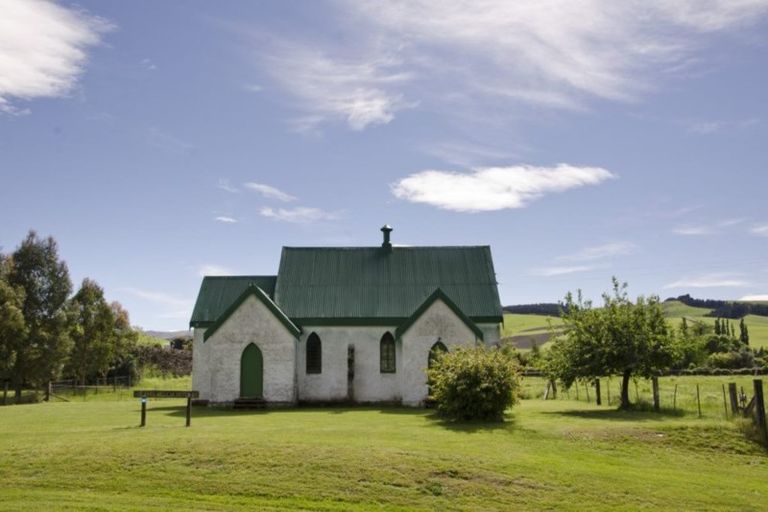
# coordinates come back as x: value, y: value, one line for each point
x: 554, y: 455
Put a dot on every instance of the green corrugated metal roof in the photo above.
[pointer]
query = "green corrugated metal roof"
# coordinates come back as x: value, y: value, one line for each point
x: 328, y: 283
x: 217, y: 293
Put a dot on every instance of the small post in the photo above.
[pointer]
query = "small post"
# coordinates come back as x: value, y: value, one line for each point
x: 725, y: 403
x: 734, y: 398
x: 189, y: 410
x: 143, y: 411
x: 656, y: 399
x: 698, y: 399
x: 598, y: 398
x: 674, y: 399
x: 760, y: 411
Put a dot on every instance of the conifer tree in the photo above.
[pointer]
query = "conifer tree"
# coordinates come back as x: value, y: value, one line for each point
x: 744, y: 335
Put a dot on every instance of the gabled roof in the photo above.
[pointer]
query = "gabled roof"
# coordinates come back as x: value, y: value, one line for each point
x: 217, y: 293
x: 438, y: 295
x: 371, y: 285
x: 254, y: 290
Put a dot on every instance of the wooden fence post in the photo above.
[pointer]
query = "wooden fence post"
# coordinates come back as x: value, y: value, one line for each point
x: 655, y: 386
x: 734, y: 398
x: 760, y: 411
x: 189, y: 410
x: 598, y: 398
x: 698, y: 399
x: 609, y: 391
x: 725, y: 403
x: 674, y: 399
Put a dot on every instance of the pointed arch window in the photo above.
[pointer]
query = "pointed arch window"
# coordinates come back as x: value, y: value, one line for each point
x: 435, y: 352
x: 387, y: 362
x: 314, y: 354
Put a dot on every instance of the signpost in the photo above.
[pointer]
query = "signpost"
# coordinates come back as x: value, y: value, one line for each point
x: 144, y: 394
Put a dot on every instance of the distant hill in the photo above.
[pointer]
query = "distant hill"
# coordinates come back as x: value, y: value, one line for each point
x: 724, y: 308
x: 524, y: 329
x: 169, y: 335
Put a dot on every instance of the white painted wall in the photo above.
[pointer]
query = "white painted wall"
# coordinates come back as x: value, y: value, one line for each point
x: 438, y: 322
x: 216, y: 362
x: 370, y: 385
x: 253, y: 322
x: 201, y: 375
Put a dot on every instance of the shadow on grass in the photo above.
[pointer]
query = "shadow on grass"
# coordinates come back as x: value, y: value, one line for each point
x: 428, y: 414
x: 634, y: 414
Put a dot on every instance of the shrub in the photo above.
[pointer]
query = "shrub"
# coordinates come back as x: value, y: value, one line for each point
x: 474, y: 384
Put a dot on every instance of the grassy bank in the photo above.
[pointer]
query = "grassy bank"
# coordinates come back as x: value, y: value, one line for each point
x: 562, y: 454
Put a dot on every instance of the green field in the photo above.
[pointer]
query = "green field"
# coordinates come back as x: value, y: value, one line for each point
x: 559, y: 454
x: 524, y: 329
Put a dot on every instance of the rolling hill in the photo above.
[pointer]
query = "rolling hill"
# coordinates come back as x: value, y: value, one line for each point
x: 524, y: 329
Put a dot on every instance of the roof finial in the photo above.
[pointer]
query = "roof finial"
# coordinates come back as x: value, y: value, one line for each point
x: 387, y: 245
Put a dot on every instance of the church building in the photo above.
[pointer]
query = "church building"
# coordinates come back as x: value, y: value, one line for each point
x: 340, y: 324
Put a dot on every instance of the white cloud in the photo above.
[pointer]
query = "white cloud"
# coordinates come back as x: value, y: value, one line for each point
x: 161, y: 298
x: 703, y: 229
x: 601, y: 251
x: 553, y: 53
x: 694, y: 230
x: 300, y: 215
x: 224, y: 185
x: 710, y: 281
x: 760, y: 230
x: 213, y: 270
x: 355, y: 90
x: 225, y: 219
x: 269, y: 192
x: 494, y: 188
x: 558, y: 271
x: 43, y: 49
x: 755, y: 298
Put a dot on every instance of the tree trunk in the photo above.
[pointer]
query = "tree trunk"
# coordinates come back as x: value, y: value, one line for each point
x: 17, y: 392
x: 625, y: 389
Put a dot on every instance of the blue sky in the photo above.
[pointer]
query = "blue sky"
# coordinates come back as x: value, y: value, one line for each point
x: 159, y: 141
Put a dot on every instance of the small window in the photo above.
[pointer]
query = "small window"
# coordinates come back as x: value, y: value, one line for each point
x: 314, y: 354
x: 387, y: 353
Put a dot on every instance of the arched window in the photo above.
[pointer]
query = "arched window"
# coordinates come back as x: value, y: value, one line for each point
x: 436, y: 351
x: 314, y: 354
x: 387, y: 361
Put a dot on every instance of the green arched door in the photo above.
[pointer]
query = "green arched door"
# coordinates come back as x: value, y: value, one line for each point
x: 251, y: 372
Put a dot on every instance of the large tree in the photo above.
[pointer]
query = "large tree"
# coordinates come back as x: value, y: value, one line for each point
x: 622, y: 337
x: 44, y: 280
x: 13, y: 328
x: 93, y: 333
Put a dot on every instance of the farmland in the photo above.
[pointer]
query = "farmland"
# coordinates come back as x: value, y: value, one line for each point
x: 524, y: 329
x: 564, y: 454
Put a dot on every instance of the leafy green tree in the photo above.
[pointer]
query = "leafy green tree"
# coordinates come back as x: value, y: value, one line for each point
x: 718, y: 330
x: 684, y: 328
x: 623, y: 337
x: 92, y: 332
x: 126, y: 339
x: 44, y: 280
x: 744, y: 332
x: 13, y: 328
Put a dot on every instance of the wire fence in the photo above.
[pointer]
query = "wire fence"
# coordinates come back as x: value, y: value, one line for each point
x: 704, y: 396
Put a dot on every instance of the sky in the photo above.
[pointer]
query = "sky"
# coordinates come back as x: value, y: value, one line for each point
x: 161, y: 141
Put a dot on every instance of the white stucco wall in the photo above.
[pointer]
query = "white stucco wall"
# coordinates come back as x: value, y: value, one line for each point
x: 438, y: 322
x: 201, y: 375
x: 253, y: 322
x: 369, y: 385
x: 491, y: 333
